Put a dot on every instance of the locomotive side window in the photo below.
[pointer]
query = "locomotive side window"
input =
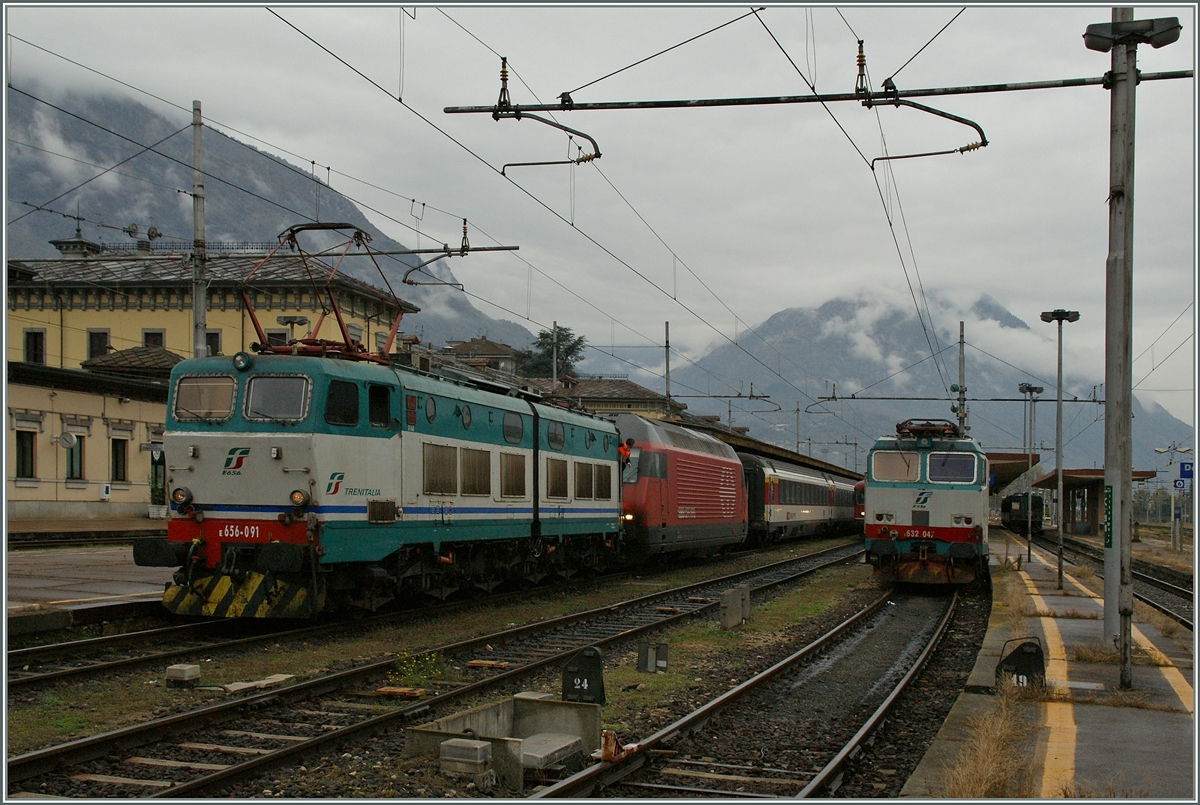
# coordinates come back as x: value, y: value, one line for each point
x: 629, y: 473
x: 653, y: 465
x: 277, y: 398
x: 603, y: 482
x: 555, y: 437
x: 514, y: 429
x: 476, y: 472
x: 584, y: 475
x: 955, y: 468
x: 208, y: 399
x: 430, y: 409
x: 441, y: 469
x: 512, y: 475
x: 894, y: 465
x: 556, y: 477
x: 379, y: 406
x: 341, y: 403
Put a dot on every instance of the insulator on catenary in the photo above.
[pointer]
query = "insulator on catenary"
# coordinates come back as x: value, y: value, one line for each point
x: 971, y: 147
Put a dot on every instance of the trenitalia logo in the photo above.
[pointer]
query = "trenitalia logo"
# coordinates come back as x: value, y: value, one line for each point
x: 335, y: 483
x: 233, y: 462
x: 922, y: 499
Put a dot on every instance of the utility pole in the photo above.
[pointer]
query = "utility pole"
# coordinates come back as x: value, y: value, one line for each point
x: 554, y: 361
x: 667, y: 357
x: 199, y: 278
x: 961, y: 386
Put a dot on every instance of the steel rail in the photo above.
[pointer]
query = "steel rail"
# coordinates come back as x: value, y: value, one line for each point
x: 32, y: 764
x: 604, y: 774
x: 825, y: 778
x: 386, y: 720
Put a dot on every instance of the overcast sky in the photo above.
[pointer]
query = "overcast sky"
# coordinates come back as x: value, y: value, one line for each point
x: 770, y: 207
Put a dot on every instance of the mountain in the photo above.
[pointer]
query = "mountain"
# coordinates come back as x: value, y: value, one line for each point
x: 250, y: 195
x: 876, y: 349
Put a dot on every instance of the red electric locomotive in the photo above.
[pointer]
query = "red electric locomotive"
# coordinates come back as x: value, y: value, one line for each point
x: 681, y: 490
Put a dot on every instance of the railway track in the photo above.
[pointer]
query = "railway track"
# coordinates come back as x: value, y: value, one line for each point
x: 234, y: 740
x: 1149, y: 586
x: 18, y: 542
x: 790, y: 730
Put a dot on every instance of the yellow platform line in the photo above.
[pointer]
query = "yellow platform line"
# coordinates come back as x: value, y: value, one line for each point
x: 1172, y: 674
x: 1058, y: 752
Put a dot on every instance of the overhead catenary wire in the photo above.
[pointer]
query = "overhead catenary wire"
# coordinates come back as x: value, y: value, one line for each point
x: 927, y: 44
x: 547, y: 207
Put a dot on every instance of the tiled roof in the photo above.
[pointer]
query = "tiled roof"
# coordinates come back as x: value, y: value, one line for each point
x: 176, y: 269
x: 482, y: 347
x: 598, y: 389
x: 137, y: 362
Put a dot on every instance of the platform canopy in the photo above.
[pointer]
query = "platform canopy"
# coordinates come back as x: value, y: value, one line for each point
x: 1083, y: 479
x: 1007, y: 467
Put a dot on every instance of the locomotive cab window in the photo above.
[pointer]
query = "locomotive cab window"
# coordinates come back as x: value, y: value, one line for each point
x: 954, y: 468
x: 379, y: 406
x: 894, y: 465
x: 204, y: 399
x: 629, y: 473
x: 341, y: 403
x: 277, y: 398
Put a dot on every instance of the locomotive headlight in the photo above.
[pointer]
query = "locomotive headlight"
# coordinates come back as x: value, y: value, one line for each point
x: 968, y: 520
x: 891, y: 517
x: 242, y: 361
x: 628, y: 517
x: 958, y: 519
x: 299, y: 498
x: 181, y: 495
x: 879, y: 517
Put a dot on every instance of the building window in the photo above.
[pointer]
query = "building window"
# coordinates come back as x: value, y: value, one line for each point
x: 212, y: 340
x: 381, y: 338
x: 97, y: 343
x: 355, y: 332
x: 26, y: 450
x: 154, y: 338
x: 120, y: 458
x: 277, y: 338
x: 75, y: 460
x: 35, y: 346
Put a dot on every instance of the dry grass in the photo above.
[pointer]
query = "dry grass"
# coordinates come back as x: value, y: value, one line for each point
x: 1115, y: 788
x: 1108, y: 698
x: 1102, y: 653
x: 993, y: 761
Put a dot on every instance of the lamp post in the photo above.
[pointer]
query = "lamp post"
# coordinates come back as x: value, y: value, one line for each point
x: 1121, y: 36
x: 1176, y: 530
x: 1059, y: 316
x: 1026, y: 388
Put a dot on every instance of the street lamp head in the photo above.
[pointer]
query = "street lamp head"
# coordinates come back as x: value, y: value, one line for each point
x: 1060, y: 315
x: 1156, y: 33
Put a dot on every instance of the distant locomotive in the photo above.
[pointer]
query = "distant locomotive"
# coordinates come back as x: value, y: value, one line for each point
x: 1015, y: 513
x: 926, y: 508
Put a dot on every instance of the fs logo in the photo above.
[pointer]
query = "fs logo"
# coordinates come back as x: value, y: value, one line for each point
x: 922, y: 500
x: 233, y: 462
x: 335, y: 483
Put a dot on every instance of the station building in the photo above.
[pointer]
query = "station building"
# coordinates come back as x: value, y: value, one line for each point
x: 91, y: 337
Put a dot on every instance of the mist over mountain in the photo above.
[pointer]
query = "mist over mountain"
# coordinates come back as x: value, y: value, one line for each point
x: 873, y: 348
x: 250, y: 195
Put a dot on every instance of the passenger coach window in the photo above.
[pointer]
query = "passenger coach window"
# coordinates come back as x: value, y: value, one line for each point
x: 441, y: 470
x: 554, y: 436
x: 208, y: 399
x: 341, y: 403
x: 514, y: 429
x: 277, y: 398
x: 556, y: 477
x: 379, y: 406
x: 603, y: 482
x: 895, y: 466
x: 955, y: 468
x: 512, y: 475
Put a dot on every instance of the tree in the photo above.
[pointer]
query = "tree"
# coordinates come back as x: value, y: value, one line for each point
x: 538, y: 361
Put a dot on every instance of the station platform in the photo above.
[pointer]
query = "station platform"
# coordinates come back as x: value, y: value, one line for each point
x: 131, y: 527
x: 1086, y: 736
x: 53, y: 588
